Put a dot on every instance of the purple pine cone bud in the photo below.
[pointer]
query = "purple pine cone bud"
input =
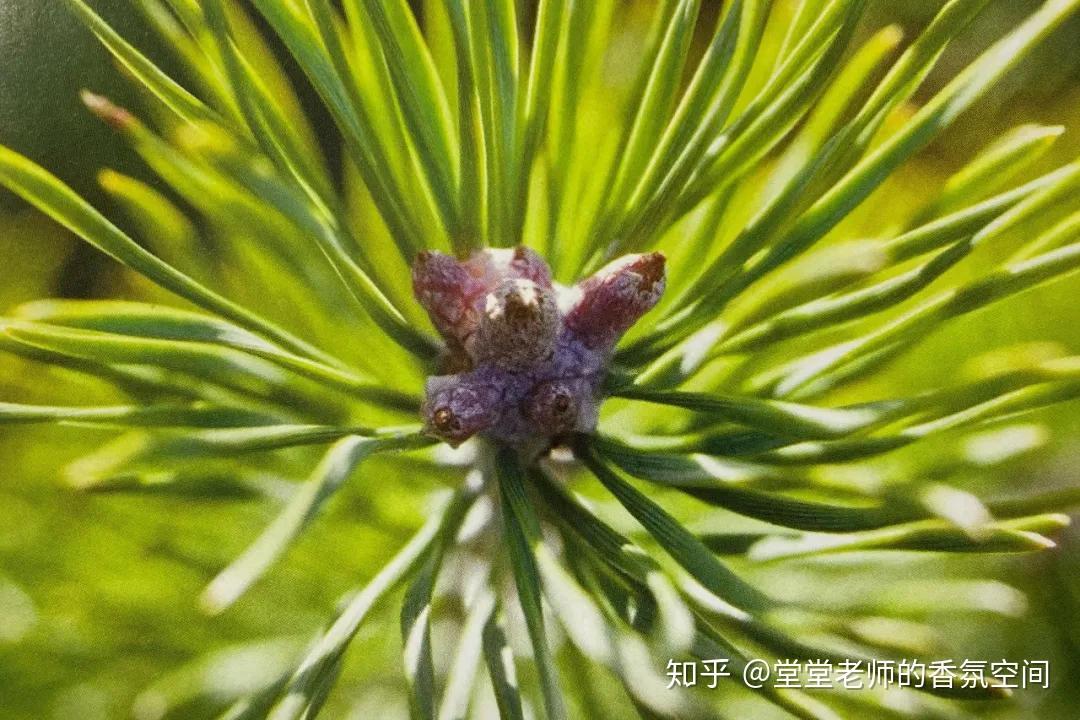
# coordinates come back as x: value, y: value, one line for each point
x: 460, y: 406
x: 525, y: 374
x: 557, y: 407
x: 614, y: 298
x: 518, y: 327
x: 450, y: 294
x: 521, y: 263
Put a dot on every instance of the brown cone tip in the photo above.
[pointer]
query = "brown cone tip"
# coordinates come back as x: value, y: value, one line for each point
x: 651, y: 267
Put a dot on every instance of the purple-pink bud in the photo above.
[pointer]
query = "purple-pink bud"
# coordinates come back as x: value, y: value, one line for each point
x: 557, y: 407
x: 459, y: 406
x: 526, y: 373
x: 450, y: 293
x: 494, y: 265
x: 614, y: 298
x: 524, y: 264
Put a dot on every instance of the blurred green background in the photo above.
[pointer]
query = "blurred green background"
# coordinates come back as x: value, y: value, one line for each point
x: 98, y: 610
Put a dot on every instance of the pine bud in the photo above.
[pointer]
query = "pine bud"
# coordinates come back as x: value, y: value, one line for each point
x: 524, y: 372
x: 614, y: 298
x: 460, y: 406
x: 518, y: 326
x: 521, y: 263
x: 557, y: 407
x: 449, y: 293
